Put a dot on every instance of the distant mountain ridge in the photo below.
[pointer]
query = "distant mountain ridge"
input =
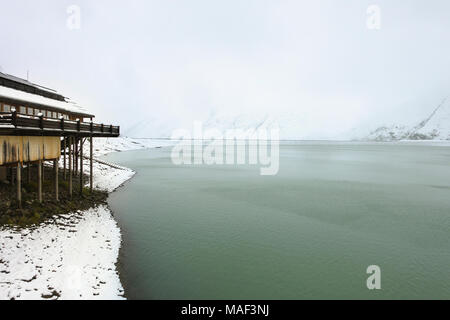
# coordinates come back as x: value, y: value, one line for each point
x: 297, y: 126
x: 435, y: 127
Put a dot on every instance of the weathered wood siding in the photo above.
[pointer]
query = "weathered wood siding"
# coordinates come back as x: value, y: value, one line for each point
x: 28, y: 149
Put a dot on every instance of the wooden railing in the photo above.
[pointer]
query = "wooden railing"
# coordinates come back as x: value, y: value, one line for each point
x: 62, y: 126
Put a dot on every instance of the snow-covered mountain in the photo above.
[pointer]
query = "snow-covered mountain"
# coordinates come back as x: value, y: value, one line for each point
x: 301, y: 126
x: 292, y: 126
x: 435, y: 127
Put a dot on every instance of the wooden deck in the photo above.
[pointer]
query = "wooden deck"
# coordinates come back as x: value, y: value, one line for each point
x: 15, y: 124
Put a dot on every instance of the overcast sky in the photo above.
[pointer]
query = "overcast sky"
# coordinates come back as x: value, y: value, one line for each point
x: 171, y: 62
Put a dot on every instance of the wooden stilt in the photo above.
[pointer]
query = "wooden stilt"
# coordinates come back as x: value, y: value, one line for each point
x: 77, y: 154
x: 72, y: 142
x: 3, y: 175
x: 76, y: 157
x: 81, y: 166
x: 91, y: 166
x: 29, y: 165
x: 64, y: 155
x: 43, y: 163
x: 70, y: 166
x: 72, y: 139
x: 40, y: 181
x: 11, y: 171
x: 55, y: 169
x: 73, y: 156
x: 19, y: 184
x: 29, y: 173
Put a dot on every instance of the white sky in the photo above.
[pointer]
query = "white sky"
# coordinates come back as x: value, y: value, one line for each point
x: 170, y: 62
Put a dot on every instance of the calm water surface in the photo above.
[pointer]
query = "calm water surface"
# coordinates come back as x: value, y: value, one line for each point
x: 225, y: 232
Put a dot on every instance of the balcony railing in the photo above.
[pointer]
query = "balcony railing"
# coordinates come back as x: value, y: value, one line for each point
x: 39, y: 125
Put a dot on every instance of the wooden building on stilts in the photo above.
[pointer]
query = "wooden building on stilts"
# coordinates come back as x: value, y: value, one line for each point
x: 39, y: 125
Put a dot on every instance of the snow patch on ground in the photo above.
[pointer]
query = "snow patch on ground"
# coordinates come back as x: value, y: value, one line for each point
x: 109, y: 177
x: 73, y: 257
x: 103, y: 146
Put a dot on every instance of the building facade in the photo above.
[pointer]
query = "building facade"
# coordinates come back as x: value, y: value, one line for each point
x: 37, y: 125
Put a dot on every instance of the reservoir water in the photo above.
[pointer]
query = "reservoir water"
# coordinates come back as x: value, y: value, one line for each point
x: 310, y: 232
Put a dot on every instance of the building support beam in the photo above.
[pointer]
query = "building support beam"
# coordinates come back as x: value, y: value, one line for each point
x: 81, y: 166
x: 91, y: 165
x: 55, y: 170
x: 29, y: 164
x: 19, y: 184
x: 73, y: 155
x: 3, y: 173
x: 11, y: 171
x: 43, y: 163
x: 72, y: 142
x: 40, y: 181
x: 64, y: 159
x: 29, y: 173
x: 70, y: 166
x: 76, y: 157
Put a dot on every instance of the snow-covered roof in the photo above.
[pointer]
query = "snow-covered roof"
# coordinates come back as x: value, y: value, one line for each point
x: 26, y: 83
x: 26, y: 97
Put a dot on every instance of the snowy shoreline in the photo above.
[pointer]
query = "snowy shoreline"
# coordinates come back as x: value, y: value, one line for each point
x: 72, y: 256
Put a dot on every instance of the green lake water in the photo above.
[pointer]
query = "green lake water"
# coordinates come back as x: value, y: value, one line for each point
x: 310, y: 232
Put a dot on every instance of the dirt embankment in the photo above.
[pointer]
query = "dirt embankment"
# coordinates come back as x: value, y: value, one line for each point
x: 32, y: 211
